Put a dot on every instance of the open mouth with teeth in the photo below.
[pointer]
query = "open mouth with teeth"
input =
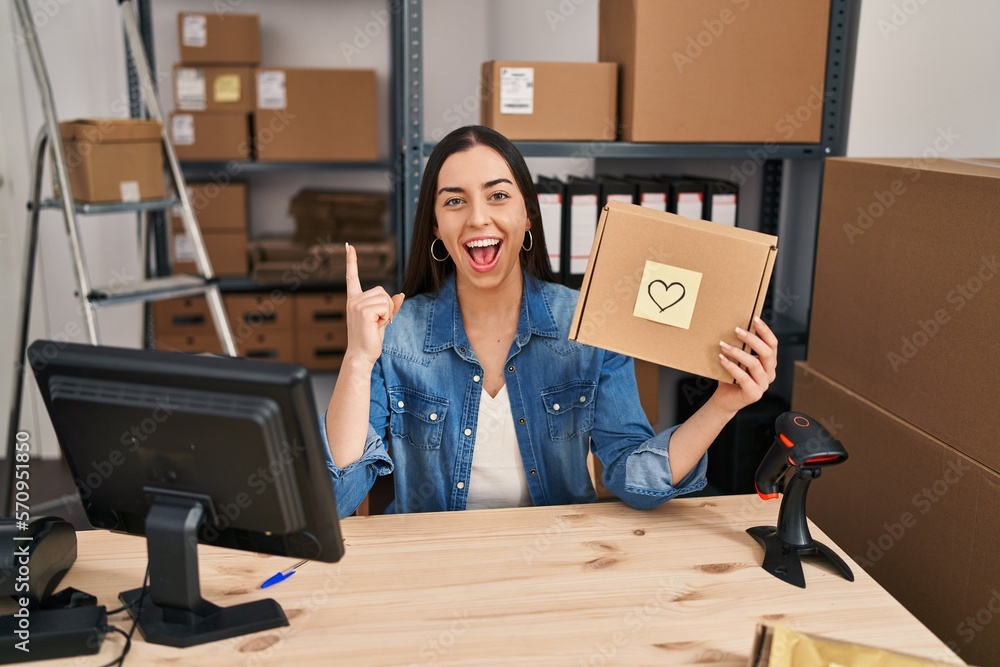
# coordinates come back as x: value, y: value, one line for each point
x: 483, y: 253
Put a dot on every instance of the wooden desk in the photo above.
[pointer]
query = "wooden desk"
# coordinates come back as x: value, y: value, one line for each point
x: 572, y: 585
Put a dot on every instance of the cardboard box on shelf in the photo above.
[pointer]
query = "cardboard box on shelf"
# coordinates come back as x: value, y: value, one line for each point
x: 227, y: 251
x: 338, y: 216
x: 190, y: 343
x: 316, y: 115
x: 250, y: 313
x: 321, y: 310
x: 218, y: 38
x: 320, y: 349
x: 718, y: 71
x: 268, y: 346
x: 910, y: 510
x: 217, y: 207
x: 906, y: 295
x: 114, y: 159
x: 289, y: 262
x: 671, y: 298
x: 210, y: 136
x: 555, y: 101
x: 183, y: 316
x: 214, y: 88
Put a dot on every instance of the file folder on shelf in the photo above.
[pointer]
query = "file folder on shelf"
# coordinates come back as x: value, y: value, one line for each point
x: 581, y: 209
x: 551, y: 193
x: 650, y: 192
x: 687, y: 197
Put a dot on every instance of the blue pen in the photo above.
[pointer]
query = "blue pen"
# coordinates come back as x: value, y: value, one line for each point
x: 284, y: 574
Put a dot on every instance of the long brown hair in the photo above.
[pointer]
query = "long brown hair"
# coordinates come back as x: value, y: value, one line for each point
x: 426, y: 275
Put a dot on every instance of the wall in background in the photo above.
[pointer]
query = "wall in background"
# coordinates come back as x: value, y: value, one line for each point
x: 912, y: 87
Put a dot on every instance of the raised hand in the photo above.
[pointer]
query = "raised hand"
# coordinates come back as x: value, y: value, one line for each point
x: 760, y: 367
x: 368, y: 313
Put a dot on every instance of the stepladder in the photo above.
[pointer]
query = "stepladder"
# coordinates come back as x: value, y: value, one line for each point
x: 49, y: 149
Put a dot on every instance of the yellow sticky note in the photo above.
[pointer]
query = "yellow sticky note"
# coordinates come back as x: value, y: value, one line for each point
x: 667, y: 294
x: 226, y: 88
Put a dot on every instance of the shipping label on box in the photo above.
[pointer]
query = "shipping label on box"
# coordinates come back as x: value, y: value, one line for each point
x: 517, y: 90
x: 666, y: 289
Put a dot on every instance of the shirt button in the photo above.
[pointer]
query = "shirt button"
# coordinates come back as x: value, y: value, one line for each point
x: 583, y: 399
x: 461, y: 485
x: 521, y: 420
x: 434, y: 416
x: 399, y: 405
x: 532, y: 472
x: 467, y: 431
x: 510, y: 369
x: 556, y: 407
x: 476, y: 378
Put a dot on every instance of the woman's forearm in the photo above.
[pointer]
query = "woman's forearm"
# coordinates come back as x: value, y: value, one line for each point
x: 347, y: 416
x: 692, y: 438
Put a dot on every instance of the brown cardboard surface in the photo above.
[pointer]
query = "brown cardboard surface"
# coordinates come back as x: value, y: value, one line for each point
x: 321, y: 310
x: 182, y: 317
x: 323, y: 215
x: 906, y: 297
x: 227, y: 251
x: 229, y: 39
x: 228, y: 88
x: 260, y: 312
x: 735, y: 265
x: 323, y: 115
x: 919, y: 516
x: 217, y: 136
x: 112, y: 160
x: 268, y: 346
x: 191, y: 343
x: 718, y: 70
x: 571, y: 101
x: 321, y: 349
x: 217, y: 207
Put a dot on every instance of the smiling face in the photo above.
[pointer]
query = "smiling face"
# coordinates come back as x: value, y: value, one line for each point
x: 481, y: 218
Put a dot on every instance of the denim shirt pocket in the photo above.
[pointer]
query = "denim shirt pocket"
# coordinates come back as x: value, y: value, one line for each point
x: 416, y: 417
x: 570, y: 408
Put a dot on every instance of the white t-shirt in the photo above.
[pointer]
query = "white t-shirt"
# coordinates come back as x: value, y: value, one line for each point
x: 497, y: 478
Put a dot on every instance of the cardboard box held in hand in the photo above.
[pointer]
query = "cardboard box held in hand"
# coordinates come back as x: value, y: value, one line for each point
x: 667, y: 289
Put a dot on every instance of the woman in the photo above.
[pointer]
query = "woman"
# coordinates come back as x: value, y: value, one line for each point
x: 486, y: 402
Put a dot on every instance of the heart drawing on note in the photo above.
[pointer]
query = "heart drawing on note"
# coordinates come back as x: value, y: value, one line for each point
x: 661, y: 293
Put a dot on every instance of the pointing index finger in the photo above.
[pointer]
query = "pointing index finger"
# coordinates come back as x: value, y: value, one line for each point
x: 353, y: 284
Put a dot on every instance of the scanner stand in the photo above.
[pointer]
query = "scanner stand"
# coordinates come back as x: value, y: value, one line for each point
x: 172, y: 611
x: 785, y: 544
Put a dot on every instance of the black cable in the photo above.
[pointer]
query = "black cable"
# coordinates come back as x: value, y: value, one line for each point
x: 120, y: 660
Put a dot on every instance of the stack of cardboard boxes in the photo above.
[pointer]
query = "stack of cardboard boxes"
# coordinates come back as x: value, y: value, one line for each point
x: 229, y: 108
x: 675, y: 72
x: 221, y: 211
x: 902, y: 352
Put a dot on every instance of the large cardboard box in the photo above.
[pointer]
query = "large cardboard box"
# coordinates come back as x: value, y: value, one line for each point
x: 271, y: 311
x: 917, y: 515
x: 321, y: 330
x: 218, y: 208
x: 906, y: 299
x: 268, y: 346
x: 210, y: 136
x: 227, y: 251
x: 667, y: 289
x: 218, y: 38
x: 214, y: 88
x: 718, y: 70
x: 527, y: 100
x: 113, y: 159
x: 316, y: 115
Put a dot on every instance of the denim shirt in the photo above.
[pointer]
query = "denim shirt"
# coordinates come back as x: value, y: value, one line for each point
x: 425, y: 393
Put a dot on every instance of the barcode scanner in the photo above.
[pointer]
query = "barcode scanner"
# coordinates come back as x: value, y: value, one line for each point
x: 800, y: 443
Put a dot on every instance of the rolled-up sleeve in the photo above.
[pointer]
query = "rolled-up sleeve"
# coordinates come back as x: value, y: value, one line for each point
x: 636, y: 460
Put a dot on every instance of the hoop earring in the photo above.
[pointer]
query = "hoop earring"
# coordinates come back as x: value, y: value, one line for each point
x: 531, y: 242
x: 435, y: 257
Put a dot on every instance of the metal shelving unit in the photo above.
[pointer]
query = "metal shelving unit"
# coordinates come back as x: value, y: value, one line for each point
x: 206, y: 169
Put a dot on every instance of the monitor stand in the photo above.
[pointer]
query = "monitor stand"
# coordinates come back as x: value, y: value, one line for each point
x: 172, y: 611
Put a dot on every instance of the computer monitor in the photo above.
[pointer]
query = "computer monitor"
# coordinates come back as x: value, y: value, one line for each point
x: 186, y: 449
